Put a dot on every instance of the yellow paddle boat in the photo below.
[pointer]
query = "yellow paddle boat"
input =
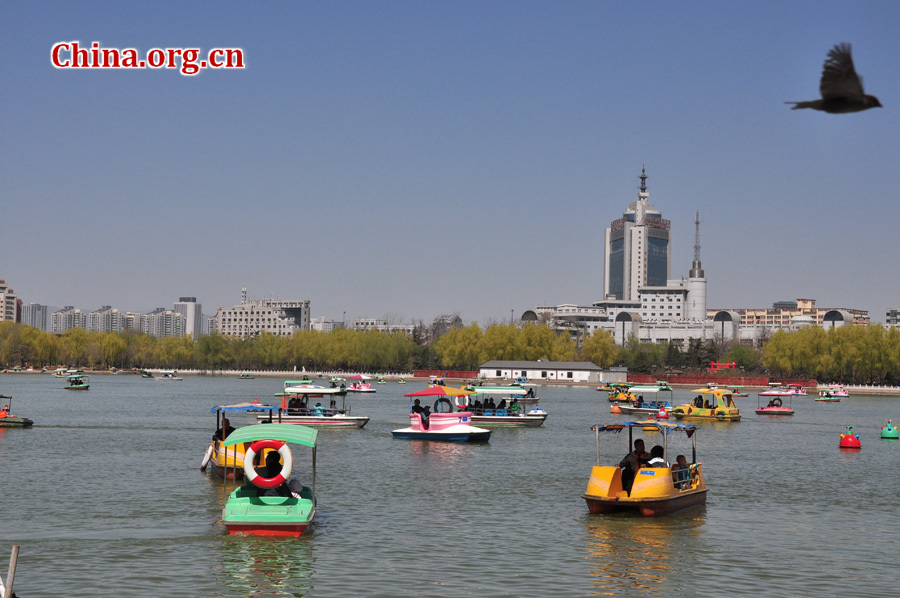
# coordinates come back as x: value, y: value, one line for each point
x: 656, y: 488
x: 229, y: 463
x: 710, y: 404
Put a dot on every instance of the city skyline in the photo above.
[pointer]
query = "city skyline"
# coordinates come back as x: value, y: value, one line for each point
x: 417, y: 159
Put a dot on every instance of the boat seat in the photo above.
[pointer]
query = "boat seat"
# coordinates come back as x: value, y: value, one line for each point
x: 489, y: 412
x: 501, y: 412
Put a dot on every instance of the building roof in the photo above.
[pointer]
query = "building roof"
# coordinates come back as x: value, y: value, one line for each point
x: 543, y: 365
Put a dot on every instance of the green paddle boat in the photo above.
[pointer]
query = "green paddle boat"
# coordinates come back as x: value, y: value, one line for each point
x: 270, y: 503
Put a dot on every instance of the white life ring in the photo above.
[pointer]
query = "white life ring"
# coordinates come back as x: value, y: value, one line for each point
x: 250, y: 471
x: 207, y: 457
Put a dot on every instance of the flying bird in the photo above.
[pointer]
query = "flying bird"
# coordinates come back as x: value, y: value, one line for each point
x: 841, y: 87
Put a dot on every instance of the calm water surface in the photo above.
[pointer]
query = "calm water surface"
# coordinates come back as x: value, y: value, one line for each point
x: 105, y: 497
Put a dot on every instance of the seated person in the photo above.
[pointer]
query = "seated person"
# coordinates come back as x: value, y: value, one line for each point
x: 632, y: 462
x: 425, y: 413
x: 417, y: 407
x: 514, y: 406
x: 319, y: 410
x: 477, y: 407
x: 502, y: 404
x: 223, y: 432
x: 708, y: 405
x: 272, y: 468
x: 656, y: 457
x: 680, y: 475
x: 294, y: 406
x: 530, y: 393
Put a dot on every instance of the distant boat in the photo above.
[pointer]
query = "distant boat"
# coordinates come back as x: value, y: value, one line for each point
x: 245, y: 377
x: 169, y: 376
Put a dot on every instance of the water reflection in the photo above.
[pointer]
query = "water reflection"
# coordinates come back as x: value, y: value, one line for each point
x: 639, y: 555
x: 257, y: 566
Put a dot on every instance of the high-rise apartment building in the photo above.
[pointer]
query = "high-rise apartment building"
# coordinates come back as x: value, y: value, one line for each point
x: 67, y: 318
x: 35, y: 315
x: 163, y: 322
x: 193, y: 315
x: 106, y: 319
x: 638, y: 249
x: 9, y: 304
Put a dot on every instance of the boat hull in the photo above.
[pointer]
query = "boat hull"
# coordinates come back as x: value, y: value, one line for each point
x: 443, y: 436
x: 77, y: 387
x: 509, y: 421
x: 313, y: 421
x: 775, y: 411
x: 647, y: 508
x: 247, y: 513
x: 15, y: 422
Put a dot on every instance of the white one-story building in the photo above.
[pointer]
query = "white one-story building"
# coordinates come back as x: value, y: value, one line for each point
x: 545, y: 371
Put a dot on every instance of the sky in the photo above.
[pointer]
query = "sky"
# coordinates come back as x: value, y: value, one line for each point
x: 410, y: 159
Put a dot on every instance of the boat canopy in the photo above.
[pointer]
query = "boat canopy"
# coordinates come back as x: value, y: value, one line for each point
x: 77, y: 377
x: 499, y: 390
x: 311, y: 390
x: 664, y: 427
x: 639, y: 389
x: 244, y: 407
x: 284, y: 432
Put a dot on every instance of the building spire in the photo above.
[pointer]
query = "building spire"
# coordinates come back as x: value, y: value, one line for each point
x: 696, y: 269
x: 643, y: 177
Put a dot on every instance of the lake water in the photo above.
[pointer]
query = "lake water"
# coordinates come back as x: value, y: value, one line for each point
x: 105, y: 497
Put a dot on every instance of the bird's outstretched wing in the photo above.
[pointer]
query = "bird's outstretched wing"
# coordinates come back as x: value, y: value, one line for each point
x: 839, y: 78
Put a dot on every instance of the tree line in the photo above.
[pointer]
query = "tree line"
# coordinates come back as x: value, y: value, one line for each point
x: 850, y: 354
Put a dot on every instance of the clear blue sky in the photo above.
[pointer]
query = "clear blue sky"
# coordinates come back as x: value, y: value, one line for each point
x: 418, y: 158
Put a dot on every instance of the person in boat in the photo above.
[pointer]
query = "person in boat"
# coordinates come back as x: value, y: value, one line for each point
x: 333, y: 404
x: 680, y: 472
x: 502, y: 404
x: 514, y: 406
x: 698, y: 401
x: 490, y: 404
x: 477, y: 407
x: 656, y: 457
x: 425, y: 413
x: 632, y: 462
x: 709, y: 404
x: 294, y: 406
x: 272, y: 468
x: 529, y: 394
x: 417, y: 407
x: 334, y: 385
x: 319, y: 411
x: 223, y: 432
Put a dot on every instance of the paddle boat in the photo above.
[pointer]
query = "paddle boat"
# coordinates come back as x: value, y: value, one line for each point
x: 381, y: 380
x: 516, y: 407
x: 358, y: 384
x: 77, y: 382
x: 639, y: 405
x: 169, y: 375
x: 797, y: 390
x: 229, y: 463
x: 146, y: 374
x: 298, y: 406
x: 401, y: 380
x: 270, y: 504
x: 709, y: 404
x: 737, y: 390
x: 444, y: 426
x: 833, y: 393
x: 60, y: 373
x: 8, y: 420
x: 849, y: 440
x: 775, y: 405
x: 889, y: 431
x: 245, y: 377
x: 655, y: 490
x: 619, y: 392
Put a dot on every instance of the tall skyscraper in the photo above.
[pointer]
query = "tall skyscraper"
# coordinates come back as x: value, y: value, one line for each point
x: 638, y: 249
x: 193, y: 315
